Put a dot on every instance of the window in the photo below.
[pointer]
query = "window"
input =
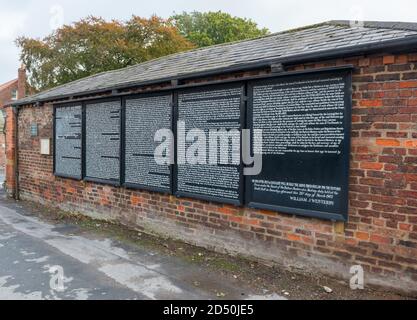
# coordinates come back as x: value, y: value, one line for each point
x: 14, y: 94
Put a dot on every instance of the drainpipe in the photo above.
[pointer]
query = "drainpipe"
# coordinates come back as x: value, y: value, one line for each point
x: 3, y: 131
x: 16, y: 152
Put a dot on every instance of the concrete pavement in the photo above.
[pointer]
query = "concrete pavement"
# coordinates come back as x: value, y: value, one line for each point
x: 38, y: 260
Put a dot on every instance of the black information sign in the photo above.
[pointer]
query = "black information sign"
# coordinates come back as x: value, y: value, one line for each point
x: 68, y: 133
x: 102, y: 154
x: 208, y: 144
x: 305, y: 123
x: 145, y: 115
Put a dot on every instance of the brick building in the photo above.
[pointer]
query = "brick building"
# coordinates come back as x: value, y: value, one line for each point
x: 380, y: 231
x: 9, y: 91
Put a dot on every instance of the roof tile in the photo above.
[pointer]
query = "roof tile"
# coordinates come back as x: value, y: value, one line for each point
x: 309, y: 40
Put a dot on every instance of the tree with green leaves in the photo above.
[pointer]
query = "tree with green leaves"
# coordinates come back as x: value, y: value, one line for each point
x: 94, y: 45
x: 209, y: 28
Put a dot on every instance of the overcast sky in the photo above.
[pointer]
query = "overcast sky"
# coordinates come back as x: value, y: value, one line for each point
x: 36, y: 18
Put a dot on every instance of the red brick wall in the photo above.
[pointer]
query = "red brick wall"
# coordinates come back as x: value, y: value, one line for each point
x: 381, y: 234
x: 5, y: 96
x: 6, y: 93
x: 2, y: 150
x: 10, y: 151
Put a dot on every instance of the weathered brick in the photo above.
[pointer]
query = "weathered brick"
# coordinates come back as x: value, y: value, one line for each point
x: 388, y: 59
x: 408, y: 84
x: 380, y: 239
x: 399, y: 135
x: 388, y: 142
x: 411, y: 144
x: 372, y: 165
x: 371, y: 103
x: 371, y: 182
x: 388, y: 77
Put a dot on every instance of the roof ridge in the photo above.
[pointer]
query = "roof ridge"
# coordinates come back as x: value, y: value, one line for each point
x: 394, y: 25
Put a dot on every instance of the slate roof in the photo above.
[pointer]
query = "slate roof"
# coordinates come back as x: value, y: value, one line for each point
x: 312, y: 41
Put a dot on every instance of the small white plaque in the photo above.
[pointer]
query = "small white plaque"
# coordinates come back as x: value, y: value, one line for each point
x: 46, y: 147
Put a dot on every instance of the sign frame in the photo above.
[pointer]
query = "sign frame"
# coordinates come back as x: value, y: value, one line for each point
x: 140, y: 186
x: 343, y: 215
x: 57, y: 174
x: 111, y: 182
x: 182, y: 194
